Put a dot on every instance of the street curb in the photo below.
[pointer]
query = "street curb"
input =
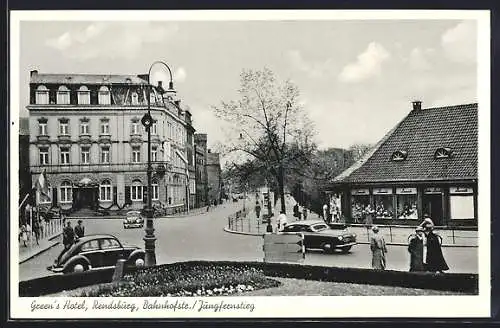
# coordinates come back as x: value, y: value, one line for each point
x: 42, y: 250
x: 226, y: 229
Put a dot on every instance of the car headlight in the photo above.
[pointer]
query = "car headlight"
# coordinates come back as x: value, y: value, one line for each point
x: 340, y: 237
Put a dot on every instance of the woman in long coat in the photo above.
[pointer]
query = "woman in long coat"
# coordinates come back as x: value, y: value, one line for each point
x: 378, y: 248
x: 416, y: 250
x: 434, y: 258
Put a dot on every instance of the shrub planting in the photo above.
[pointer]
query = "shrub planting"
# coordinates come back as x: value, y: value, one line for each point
x: 186, y: 279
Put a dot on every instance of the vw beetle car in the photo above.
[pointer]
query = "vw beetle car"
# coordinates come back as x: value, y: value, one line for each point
x: 94, y: 252
x: 134, y: 219
x: 319, y: 235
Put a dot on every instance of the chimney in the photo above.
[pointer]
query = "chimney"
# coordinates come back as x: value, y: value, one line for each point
x: 33, y: 73
x: 417, y: 105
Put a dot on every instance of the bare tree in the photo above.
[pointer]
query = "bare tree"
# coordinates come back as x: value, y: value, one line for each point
x: 270, y: 127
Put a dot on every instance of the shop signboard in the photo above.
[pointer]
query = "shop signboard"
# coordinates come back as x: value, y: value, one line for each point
x: 461, y: 190
x: 433, y: 190
x: 357, y: 192
x: 406, y: 191
x: 382, y: 191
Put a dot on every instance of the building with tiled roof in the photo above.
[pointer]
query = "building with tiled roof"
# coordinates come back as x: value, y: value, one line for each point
x: 427, y: 164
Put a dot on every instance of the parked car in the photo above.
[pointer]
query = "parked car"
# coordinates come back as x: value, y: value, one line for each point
x: 319, y: 235
x: 134, y: 219
x: 97, y: 252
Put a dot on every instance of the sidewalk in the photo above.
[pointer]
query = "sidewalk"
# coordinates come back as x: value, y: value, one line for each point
x: 392, y: 235
x: 27, y: 253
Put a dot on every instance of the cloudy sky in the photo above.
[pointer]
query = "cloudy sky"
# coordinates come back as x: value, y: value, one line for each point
x: 357, y: 78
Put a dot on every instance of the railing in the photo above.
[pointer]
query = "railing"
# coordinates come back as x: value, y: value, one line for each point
x: 47, y: 230
x: 393, y: 234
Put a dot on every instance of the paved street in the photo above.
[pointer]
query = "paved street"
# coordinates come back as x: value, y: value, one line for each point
x: 201, y: 237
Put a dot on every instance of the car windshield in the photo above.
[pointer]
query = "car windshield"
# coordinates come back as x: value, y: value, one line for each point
x: 320, y: 227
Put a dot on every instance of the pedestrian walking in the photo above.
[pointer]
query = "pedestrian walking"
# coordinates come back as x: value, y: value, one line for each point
x: 434, y: 261
x: 257, y: 209
x: 68, y: 236
x: 79, y: 230
x: 325, y: 213
x: 23, y: 235
x: 282, y: 221
x: 378, y: 248
x: 296, y: 210
x: 36, y: 229
x: 304, y: 213
x: 416, y: 248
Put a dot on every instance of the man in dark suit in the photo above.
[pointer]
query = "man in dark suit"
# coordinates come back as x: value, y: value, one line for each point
x: 79, y: 230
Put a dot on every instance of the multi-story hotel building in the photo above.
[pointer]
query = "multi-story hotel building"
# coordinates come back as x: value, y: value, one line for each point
x: 86, y: 133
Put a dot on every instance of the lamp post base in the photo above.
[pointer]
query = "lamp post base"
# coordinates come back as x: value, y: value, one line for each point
x: 149, y: 240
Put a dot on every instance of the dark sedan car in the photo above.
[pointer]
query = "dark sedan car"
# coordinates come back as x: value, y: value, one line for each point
x: 319, y: 235
x: 97, y: 252
x: 134, y: 219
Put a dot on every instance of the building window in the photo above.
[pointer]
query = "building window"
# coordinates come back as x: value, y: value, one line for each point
x: 136, y: 192
x: 83, y: 95
x: 384, y: 208
x: 135, y: 127
x: 442, y: 153
x: 360, y: 198
x: 136, y: 154
x: 156, y: 190
x: 84, y: 127
x: 64, y: 127
x: 105, y: 155
x: 104, y: 126
x: 42, y: 95
x: 104, y: 96
x: 44, y: 156
x: 64, y: 155
x: 66, y: 192
x: 63, y: 95
x: 154, y: 128
x: 461, y: 203
x: 105, y: 191
x: 42, y: 128
x: 406, y: 199
x: 85, y: 155
x: 154, y: 153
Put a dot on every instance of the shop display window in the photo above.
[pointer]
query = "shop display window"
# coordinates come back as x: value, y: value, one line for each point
x: 407, y: 203
x: 359, y: 199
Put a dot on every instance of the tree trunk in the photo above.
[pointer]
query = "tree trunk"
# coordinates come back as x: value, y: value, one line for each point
x: 281, y: 187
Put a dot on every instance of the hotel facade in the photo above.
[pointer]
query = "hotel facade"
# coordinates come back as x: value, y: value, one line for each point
x: 86, y: 134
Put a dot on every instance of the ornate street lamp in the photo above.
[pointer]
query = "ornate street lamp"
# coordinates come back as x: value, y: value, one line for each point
x: 147, y: 121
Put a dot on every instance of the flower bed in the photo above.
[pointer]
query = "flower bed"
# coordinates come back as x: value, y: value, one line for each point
x: 180, y: 279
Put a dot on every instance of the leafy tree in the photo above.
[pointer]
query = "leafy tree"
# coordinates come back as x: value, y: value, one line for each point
x: 270, y: 131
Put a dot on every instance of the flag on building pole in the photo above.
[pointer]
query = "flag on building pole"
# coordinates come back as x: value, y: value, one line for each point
x: 42, y: 188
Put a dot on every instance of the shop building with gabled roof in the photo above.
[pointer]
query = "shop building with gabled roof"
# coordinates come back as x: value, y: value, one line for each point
x: 426, y: 165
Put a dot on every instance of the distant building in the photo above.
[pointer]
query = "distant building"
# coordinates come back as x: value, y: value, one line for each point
x: 86, y: 132
x: 24, y: 158
x: 190, y: 154
x: 201, y: 151
x: 214, y: 177
x: 427, y: 164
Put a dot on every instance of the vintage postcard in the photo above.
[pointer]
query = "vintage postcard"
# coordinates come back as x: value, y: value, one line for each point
x: 257, y: 164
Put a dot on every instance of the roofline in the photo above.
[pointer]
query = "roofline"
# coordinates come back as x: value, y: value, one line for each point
x: 354, y: 167
x: 405, y: 182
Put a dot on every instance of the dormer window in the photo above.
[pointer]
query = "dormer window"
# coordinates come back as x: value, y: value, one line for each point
x: 104, y: 96
x: 63, y: 95
x: 399, y: 156
x: 442, y: 153
x: 42, y: 95
x: 83, y: 95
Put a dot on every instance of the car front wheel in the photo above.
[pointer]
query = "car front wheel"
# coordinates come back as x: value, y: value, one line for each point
x: 77, y: 267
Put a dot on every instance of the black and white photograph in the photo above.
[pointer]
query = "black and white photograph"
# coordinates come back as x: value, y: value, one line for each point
x: 227, y: 164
